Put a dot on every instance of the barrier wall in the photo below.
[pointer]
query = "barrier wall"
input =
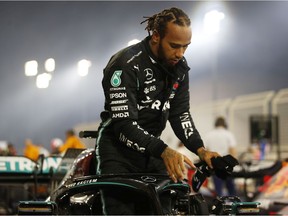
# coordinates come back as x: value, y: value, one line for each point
x: 279, y: 107
x: 240, y: 111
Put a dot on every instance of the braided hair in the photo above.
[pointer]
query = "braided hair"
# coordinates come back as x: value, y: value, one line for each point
x: 158, y: 22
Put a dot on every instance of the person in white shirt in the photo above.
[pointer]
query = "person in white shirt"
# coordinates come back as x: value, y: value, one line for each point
x: 223, y: 141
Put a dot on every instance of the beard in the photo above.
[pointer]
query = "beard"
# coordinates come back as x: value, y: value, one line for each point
x: 161, y: 57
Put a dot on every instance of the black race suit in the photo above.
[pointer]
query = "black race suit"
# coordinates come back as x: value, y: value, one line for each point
x: 140, y: 96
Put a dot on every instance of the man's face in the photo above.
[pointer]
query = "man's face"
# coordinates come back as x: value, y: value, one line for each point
x: 174, y: 44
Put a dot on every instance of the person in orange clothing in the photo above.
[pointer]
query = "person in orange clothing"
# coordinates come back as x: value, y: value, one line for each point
x: 72, y: 141
x: 31, y: 150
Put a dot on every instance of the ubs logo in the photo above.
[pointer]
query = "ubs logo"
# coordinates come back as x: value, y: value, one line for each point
x: 148, y: 179
x: 149, y: 73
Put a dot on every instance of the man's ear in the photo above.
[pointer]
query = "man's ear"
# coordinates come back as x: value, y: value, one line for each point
x: 155, y: 37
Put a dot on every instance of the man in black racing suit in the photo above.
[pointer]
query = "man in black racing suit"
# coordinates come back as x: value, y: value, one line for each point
x: 145, y: 85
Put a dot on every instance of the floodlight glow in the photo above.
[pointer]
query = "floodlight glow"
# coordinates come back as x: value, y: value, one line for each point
x: 42, y: 80
x: 31, y: 68
x: 132, y: 42
x: 50, y: 65
x: 83, y: 67
x: 212, y: 21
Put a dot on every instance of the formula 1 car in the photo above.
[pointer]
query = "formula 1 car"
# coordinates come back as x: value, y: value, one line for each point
x: 268, y: 185
x: 79, y: 193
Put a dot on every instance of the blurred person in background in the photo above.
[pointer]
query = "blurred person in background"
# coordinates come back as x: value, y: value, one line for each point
x: 221, y: 140
x: 11, y: 150
x: 3, y: 148
x: 72, y: 141
x: 33, y: 151
x: 7, y: 149
x: 55, y: 144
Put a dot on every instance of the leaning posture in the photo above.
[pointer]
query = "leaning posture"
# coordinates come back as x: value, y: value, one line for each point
x: 145, y: 85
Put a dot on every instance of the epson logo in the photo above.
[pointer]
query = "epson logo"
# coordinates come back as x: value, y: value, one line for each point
x: 118, y: 95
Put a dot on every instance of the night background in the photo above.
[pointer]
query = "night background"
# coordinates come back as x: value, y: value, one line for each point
x: 249, y: 55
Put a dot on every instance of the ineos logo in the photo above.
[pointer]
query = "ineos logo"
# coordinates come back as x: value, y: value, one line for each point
x: 148, y: 179
x: 149, y: 73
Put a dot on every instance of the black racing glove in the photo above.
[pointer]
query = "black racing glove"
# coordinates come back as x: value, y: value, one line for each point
x: 223, y: 166
x: 202, y: 172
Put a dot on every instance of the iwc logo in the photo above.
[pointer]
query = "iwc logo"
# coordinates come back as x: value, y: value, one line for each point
x: 148, y: 179
x: 116, y: 79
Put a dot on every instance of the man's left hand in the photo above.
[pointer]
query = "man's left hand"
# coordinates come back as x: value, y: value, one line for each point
x: 175, y: 163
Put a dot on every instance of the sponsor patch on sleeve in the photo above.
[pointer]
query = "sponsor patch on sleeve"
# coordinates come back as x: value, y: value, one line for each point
x: 118, y: 97
x: 186, y: 124
x: 116, y: 78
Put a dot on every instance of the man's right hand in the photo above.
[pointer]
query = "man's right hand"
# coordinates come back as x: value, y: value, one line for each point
x: 206, y: 156
x: 174, y: 162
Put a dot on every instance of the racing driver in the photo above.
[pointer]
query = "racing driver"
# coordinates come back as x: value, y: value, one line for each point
x: 145, y: 85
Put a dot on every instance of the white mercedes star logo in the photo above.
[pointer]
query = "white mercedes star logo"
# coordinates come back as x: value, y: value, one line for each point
x: 149, y: 73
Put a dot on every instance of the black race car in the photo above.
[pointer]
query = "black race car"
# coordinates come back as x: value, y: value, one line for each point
x: 79, y: 193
